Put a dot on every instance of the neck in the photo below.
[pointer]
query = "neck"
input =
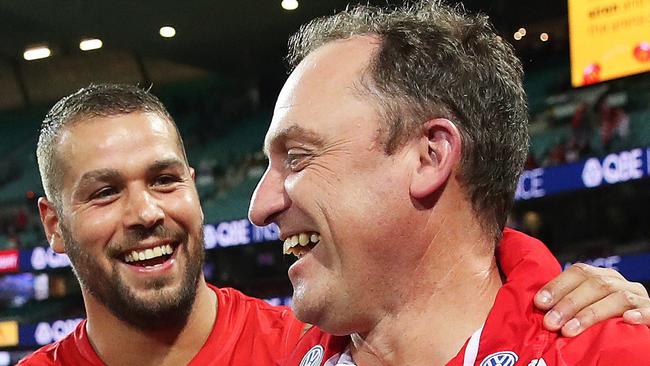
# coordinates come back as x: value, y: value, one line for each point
x: 443, y: 300
x: 119, y: 343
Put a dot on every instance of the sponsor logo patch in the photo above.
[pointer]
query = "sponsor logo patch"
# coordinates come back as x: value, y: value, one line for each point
x: 313, y: 357
x: 506, y: 358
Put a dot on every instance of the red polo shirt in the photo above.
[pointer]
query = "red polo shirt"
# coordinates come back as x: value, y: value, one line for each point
x: 513, y: 334
x: 246, y: 331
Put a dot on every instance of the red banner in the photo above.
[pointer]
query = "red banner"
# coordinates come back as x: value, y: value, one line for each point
x: 9, y: 260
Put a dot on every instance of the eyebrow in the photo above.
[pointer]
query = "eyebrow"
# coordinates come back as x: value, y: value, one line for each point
x: 293, y: 132
x: 114, y: 175
x: 99, y: 174
x: 87, y: 178
x: 159, y: 165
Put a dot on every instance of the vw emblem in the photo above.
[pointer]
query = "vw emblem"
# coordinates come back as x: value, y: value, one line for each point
x: 500, y: 359
x: 313, y: 357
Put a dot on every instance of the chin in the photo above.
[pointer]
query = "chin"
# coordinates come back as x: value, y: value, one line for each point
x: 309, y: 309
x: 322, y: 313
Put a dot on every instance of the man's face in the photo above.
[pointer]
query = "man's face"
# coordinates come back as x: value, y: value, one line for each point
x: 130, y: 217
x: 329, y: 178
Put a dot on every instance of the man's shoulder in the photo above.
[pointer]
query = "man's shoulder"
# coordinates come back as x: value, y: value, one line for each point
x: 42, y: 356
x: 239, y: 302
x: 71, y: 350
x: 611, y: 342
x: 255, y: 331
x: 56, y: 353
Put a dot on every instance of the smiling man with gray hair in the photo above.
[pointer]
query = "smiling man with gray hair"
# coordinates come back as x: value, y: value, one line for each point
x: 394, y: 151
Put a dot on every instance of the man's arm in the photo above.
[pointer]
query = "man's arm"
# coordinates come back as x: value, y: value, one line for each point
x: 583, y: 295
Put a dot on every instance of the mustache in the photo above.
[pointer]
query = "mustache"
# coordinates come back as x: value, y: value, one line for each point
x: 133, y: 237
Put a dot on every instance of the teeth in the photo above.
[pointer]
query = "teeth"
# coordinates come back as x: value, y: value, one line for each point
x: 149, y: 253
x: 302, y: 239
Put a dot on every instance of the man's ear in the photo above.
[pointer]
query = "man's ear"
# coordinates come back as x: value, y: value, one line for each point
x: 193, y: 174
x: 439, y: 148
x: 50, y: 221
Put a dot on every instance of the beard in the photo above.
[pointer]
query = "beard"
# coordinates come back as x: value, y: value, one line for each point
x: 163, y: 308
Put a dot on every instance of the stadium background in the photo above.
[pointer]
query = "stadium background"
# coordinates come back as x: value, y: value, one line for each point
x: 585, y: 191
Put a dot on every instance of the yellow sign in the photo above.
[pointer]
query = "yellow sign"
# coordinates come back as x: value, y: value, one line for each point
x: 8, y: 334
x: 609, y: 39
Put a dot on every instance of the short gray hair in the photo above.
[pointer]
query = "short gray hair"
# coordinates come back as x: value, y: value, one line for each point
x: 437, y: 61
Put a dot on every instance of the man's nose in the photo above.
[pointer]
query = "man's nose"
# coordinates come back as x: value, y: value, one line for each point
x: 143, y: 210
x: 269, y: 198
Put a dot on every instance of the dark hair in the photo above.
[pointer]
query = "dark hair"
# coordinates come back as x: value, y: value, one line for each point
x: 438, y: 61
x: 102, y: 100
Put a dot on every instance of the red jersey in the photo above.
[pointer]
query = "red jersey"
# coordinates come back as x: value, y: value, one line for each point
x: 246, y: 331
x: 513, y: 333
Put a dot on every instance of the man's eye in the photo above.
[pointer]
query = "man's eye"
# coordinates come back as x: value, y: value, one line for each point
x: 295, y: 161
x: 165, y: 180
x: 103, y: 193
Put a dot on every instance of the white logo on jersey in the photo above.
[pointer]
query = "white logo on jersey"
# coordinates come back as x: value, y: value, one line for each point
x: 500, y: 359
x: 313, y: 357
x: 538, y: 362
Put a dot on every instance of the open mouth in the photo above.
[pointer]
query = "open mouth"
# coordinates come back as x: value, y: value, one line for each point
x: 150, y: 257
x: 300, y: 244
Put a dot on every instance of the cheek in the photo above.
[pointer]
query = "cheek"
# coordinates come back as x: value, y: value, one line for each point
x: 364, y: 210
x: 349, y: 195
x: 98, y: 226
x: 184, y: 207
x: 373, y: 216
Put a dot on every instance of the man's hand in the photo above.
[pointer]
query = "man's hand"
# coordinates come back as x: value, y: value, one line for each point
x: 583, y: 295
